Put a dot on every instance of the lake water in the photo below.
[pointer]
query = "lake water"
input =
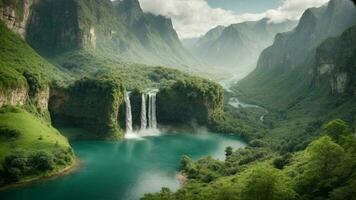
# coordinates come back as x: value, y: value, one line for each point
x: 127, y: 169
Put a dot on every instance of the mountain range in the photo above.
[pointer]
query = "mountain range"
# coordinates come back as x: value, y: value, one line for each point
x: 118, y: 30
x: 308, y: 73
x: 236, y: 48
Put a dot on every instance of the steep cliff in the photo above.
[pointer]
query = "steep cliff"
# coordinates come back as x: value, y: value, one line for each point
x: 284, y: 75
x: 118, y: 30
x: 187, y: 101
x: 15, y: 14
x: 336, y: 63
x: 92, y: 104
x: 317, y: 24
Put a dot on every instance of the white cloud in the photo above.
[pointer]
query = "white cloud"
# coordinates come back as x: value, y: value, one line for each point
x: 192, y: 18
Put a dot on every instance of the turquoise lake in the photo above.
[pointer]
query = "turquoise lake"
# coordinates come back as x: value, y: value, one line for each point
x: 126, y: 170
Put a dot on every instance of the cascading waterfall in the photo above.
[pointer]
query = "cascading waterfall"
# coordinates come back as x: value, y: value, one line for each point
x: 153, y: 112
x: 148, y: 110
x: 128, y: 113
x: 143, y: 112
x: 152, y: 118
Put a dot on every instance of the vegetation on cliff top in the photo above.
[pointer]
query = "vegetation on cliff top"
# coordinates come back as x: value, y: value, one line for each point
x: 92, y: 104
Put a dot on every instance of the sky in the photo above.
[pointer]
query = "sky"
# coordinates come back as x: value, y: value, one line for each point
x: 193, y: 18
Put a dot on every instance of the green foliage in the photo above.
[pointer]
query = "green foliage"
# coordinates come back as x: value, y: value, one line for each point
x: 266, y: 183
x: 191, y: 100
x: 228, y: 151
x: 22, y: 154
x: 14, y: 68
x: 336, y: 129
x: 92, y: 104
x: 324, y: 170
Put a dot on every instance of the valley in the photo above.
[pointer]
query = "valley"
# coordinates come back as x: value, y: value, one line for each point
x: 258, y: 109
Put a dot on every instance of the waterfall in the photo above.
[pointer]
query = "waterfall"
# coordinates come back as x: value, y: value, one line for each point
x: 128, y: 113
x: 153, y: 106
x: 143, y: 112
x: 152, y: 119
x: 149, y: 110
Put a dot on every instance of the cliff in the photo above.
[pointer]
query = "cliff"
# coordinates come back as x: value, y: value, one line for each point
x: 118, y: 30
x: 336, y: 63
x: 187, y: 101
x: 92, y: 104
x: 291, y: 49
x: 15, y: 14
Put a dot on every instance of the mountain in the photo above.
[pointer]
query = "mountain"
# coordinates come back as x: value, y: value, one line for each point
x: 119, y: 30
x: 317, y: 24
x: 236, y: 48
x: 308, y: 74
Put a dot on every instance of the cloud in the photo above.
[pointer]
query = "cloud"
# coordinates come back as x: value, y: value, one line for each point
x: 192, y: 18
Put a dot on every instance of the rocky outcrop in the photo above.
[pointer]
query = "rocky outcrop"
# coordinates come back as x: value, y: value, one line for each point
x: 92, y: 104
x: 335, y: 63
x: 189, y: 101
x: 16, y: 15
x: 13, y: 97
x: 41, y: 99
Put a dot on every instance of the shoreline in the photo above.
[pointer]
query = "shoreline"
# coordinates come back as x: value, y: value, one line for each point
x: 44, y: 178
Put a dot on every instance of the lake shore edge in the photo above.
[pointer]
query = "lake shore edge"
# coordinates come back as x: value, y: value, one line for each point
x: 75, y: 166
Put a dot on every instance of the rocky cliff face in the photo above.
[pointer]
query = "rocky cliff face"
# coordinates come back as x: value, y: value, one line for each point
x: 13, y: 97
x: 335, y: 63
x: 189, y: 101
x: 317, y: 24
x: 16, y: 14
x: 118, y: 29
x: 89, y: 104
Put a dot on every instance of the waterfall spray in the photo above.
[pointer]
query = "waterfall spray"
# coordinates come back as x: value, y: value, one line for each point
x: 128, y: 113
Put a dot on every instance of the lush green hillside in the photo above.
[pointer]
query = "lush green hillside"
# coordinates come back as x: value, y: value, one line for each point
x: 288, y: 81
x: 13, y: 68
x: 30, y: 147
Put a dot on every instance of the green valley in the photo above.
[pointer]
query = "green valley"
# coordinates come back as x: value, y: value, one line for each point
x: 111, y: 100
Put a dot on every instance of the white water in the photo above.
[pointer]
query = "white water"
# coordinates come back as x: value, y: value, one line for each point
x: 152, y: 108
x: 148, y: 111
x: 128, y: 113
x: 143, y: 112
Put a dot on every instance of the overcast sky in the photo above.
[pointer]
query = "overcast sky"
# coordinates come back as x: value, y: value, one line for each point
x: 193, y: 18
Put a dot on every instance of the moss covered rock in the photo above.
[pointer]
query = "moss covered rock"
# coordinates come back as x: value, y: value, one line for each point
x: 92, y: 104
x: 189, y: 101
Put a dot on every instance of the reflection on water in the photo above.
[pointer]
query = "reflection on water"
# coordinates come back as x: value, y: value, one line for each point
x: 126, y: 169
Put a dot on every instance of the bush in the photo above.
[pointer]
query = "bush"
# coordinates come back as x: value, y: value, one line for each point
x: 9, y: 133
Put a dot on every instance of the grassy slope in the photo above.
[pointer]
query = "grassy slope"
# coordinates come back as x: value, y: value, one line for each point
x: 34, y: 134
x: 16, y: 57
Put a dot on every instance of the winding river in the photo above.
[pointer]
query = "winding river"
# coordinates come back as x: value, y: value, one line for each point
x: 127, y: 169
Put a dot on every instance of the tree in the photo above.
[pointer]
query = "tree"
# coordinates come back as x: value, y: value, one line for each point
x: 228, y: 151
x: 325, y: 166
x: 336, y: 129
x: 266, y: 183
